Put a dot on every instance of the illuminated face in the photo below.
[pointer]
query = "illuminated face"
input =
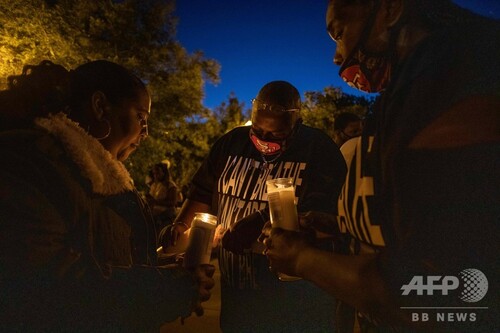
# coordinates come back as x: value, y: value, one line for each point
x: 271, y: 127
x: 128, y: 125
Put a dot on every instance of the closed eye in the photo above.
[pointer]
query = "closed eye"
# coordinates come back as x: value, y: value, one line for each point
x: 336, y: 35
x: 270, y: 136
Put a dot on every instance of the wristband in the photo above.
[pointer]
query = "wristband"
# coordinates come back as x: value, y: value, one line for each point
x: 181, y: 223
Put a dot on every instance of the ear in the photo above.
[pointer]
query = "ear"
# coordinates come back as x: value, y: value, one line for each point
x: 99, y: 104
x: 393, y: 10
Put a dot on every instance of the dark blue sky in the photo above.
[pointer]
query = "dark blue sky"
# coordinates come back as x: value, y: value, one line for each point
x: 259, y: 41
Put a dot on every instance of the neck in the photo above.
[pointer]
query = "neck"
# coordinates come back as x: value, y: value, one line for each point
x: 267, y: 161
x: 408, y: 39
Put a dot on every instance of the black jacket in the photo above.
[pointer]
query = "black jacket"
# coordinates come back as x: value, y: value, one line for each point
x: 76, y: 242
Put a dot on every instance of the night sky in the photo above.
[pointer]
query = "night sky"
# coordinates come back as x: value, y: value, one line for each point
x: 264, y: 40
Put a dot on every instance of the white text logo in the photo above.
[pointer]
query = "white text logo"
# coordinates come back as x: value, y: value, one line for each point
x: 474, y: 285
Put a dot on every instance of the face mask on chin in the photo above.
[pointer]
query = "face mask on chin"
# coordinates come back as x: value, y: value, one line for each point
x: 368, y: 72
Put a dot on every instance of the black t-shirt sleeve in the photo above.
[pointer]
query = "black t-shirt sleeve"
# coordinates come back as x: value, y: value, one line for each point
x: 202, y: 184
x: 327, y: 171
x: 205, y: 179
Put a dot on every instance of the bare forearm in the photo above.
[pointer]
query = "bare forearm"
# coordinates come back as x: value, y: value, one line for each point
x: 353, y: 279
x: 189, y: 208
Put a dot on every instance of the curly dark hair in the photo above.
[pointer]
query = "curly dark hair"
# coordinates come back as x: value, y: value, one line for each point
x: 49, y: 88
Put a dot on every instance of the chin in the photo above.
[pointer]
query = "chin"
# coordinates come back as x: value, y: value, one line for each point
x: 123, y: 155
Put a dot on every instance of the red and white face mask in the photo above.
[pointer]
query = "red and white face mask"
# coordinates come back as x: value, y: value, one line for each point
x: 365, y: 71
x: 273, y: 145
x: 276, y: 146
x: 266, y: 147
x: 371, y: 75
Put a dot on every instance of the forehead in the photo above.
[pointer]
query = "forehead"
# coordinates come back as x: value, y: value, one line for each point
x: 142, y: 100
x: 342, y: 12
x: 279, y: 93
x: 334, y: 13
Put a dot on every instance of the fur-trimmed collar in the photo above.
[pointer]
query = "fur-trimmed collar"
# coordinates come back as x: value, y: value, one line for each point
x: 107, y: 175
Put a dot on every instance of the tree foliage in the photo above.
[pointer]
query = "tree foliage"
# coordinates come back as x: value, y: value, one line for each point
x: 192, y: 145
x: 231, y: 114
x: 139, y: 34
x: 320, y: 108
x: 32, y: 31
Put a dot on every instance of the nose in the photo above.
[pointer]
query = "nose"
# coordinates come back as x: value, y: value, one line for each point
x: 337, y: 58
x: 266, y: 135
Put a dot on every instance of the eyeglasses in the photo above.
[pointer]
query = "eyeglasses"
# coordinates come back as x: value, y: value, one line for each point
x: 259, y: 105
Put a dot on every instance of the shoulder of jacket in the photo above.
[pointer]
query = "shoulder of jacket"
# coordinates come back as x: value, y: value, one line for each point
x: 32, y: 143
x: 314, y: 133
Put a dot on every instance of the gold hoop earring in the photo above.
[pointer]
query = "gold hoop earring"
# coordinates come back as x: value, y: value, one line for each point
x: 109, y: 130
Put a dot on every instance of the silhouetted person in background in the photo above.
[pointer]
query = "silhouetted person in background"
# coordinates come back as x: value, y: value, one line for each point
x: 163, y: 196
x: 346, y: 126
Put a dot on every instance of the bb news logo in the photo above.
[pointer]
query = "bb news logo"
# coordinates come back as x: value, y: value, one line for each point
x: 470, y: 286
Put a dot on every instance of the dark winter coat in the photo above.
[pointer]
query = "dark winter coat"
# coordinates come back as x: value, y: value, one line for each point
x: 76, y: 241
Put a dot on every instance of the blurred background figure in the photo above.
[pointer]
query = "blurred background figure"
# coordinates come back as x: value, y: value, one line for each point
x: 346, y: 126
x: 164, y: 196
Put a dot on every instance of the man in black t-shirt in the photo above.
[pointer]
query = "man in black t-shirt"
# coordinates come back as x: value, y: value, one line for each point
x: 421, y: 198
x: 231, y: 183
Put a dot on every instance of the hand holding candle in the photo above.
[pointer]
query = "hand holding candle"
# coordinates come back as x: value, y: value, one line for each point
x: 201, y: 236
x: 281, y: 197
